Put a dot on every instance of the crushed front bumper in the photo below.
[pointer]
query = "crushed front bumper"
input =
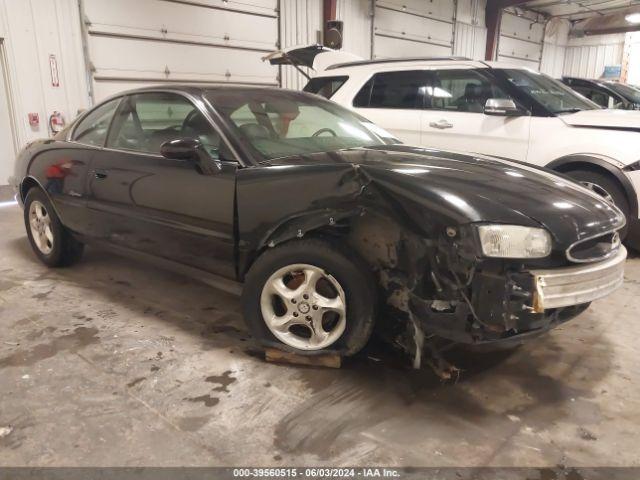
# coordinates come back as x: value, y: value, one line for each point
x: 563, y: 287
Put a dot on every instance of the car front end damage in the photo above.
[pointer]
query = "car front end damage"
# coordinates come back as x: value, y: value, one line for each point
x: 465, y: 249
x: 445, y: 289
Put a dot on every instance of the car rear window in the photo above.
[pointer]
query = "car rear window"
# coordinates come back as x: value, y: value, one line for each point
x: 393, y: 90
x: 325, y: 86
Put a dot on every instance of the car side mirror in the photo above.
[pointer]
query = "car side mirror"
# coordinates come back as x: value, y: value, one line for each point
x: 191, y: 149
x: 181, y: 149
x: 502, y: 107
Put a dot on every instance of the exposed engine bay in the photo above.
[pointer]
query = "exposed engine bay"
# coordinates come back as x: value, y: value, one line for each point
x: 440, y: 289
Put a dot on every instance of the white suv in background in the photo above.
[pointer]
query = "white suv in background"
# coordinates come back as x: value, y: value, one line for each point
x: 488, y: 108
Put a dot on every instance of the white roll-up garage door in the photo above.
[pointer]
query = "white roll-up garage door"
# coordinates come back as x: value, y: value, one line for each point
x: 520, y: 40
x: 413, y: 28
x: 146, y: 42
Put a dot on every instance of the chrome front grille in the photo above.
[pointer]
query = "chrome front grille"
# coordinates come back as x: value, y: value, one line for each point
x: 595, y: 248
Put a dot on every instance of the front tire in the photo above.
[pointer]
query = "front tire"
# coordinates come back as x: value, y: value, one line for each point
x: 606, y: 187
x: 52, y: 243
x: 310, y: 296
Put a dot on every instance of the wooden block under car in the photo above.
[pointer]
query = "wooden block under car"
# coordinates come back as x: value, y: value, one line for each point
x: 278, y: 356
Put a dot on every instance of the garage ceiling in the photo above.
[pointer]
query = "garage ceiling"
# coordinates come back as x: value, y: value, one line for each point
x: 579, y: 9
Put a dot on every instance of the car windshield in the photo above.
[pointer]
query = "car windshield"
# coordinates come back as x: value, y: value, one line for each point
x: 630, y: 93
x: 551, y: 93
x: 284, y: 123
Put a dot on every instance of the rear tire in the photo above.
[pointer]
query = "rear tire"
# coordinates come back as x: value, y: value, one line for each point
x: 607, y: 187
x: 52, y: 243
x: 310, y: 296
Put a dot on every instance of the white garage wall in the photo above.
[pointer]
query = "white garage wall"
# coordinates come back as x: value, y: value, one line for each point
x: 587, y: 56
x: 555, y: 47
x: 300, y: 24
x: 633, y: 67
x: 357, y: 16
x: 521, y: 37
x: 470, y: 30
x: 174, y: 41
x: 32, y: 31
x: 413, y: 28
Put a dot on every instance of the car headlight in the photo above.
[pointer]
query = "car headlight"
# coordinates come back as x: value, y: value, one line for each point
x: 514, y: 241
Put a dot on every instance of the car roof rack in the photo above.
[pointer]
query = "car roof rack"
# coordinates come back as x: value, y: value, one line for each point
x: 395, y: 60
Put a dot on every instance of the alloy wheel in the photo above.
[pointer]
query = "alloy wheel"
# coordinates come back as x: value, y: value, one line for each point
x: 304, y: 307
x: 40, y: 225
x: 598, y: 190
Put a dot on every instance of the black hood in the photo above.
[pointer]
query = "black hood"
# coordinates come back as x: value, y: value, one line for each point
x: 473, y: 188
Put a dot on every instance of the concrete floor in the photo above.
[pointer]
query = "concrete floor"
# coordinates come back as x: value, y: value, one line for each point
x: 116, y: 363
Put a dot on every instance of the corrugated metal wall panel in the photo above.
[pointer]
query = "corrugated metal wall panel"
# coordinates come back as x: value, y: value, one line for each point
x: 470, y: 41
x: 587, y: 57
x: 300, y: 24
x: 633, y: 68
x: 470, y: 31
x: 471, y: 12
x: 357, y: 18
x: 553, y: 57
x: 555, y: 47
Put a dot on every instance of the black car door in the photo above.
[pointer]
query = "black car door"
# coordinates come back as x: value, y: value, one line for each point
x: 169, y: 208
x: 62, y: 171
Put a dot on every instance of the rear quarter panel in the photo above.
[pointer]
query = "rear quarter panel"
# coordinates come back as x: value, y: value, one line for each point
x: 61, y: 169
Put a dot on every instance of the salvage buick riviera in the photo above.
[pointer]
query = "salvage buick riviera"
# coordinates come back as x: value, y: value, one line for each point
x: 327, y: 225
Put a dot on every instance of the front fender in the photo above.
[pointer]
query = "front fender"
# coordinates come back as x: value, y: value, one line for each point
x: 610, y: 165
x: 298, y: 226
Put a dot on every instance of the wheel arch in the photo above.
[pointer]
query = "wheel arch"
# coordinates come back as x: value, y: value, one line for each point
x: 30, y: 182
x: 600, y: 165
x: 324, y: 224
x: 27, y: 184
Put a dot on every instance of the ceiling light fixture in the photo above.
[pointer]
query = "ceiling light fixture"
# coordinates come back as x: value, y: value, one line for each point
x: 633, y: 18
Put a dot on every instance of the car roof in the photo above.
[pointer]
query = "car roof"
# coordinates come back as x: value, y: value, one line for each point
x: 390, y: 64
x: 379, y: 61
x: 203, y: 89
x: 581, y: 79
x: 198, y: 88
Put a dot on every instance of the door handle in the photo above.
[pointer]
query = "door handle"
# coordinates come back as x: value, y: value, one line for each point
x: 441, y: 124
x: 100, y: 174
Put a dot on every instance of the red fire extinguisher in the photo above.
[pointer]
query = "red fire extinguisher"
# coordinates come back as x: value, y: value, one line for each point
x: 56, y: 122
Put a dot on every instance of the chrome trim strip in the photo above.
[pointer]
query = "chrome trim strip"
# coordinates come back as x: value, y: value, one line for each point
x: 563, y: 287
x: 592, y: 237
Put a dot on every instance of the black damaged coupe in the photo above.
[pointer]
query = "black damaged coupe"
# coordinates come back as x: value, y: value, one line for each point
x: 327, y: 225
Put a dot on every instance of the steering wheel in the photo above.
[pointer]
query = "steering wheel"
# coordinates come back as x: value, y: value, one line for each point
x: 324, y: 130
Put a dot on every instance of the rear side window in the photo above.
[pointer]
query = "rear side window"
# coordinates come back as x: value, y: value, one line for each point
x: 147, y: 120
x: 92, y: 129
x: 403, y: 90
x: 325, y: 86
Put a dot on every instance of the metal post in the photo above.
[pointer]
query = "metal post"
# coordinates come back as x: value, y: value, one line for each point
x: 85, y: 51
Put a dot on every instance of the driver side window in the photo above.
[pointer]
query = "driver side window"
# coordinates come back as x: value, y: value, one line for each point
x: 461, y: 90
x: 597, y: 96
x: 147, y: 120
